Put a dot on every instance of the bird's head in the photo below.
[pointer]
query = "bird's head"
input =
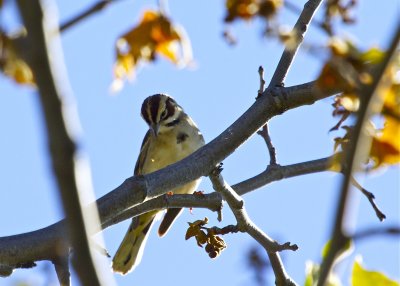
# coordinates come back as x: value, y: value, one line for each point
x: 161, y: 113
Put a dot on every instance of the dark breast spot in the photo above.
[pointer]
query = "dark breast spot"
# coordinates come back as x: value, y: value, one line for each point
x: 181, y: 137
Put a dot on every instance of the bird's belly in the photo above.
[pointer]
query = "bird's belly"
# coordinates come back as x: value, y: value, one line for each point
x: 161, y: 158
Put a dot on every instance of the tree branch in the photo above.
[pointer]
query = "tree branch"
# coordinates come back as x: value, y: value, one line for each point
x: 282, y: 172
x: 245, y: 224
x: 264, y: 133
x: 212, y: 201
x: 355, y: 152
x: 299, y: 30
x: 371, y: 198
x: 97, y: 7
x: 367, y: 233
x: 61, y: 144
x: 42, y: 244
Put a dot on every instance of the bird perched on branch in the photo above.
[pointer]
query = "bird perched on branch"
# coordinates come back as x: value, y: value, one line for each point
x: 172, y: 136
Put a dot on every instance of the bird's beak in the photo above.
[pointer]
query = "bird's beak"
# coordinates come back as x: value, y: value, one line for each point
x: 155, y: 128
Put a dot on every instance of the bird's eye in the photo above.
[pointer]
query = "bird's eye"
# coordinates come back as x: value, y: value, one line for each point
x: 164, y: 114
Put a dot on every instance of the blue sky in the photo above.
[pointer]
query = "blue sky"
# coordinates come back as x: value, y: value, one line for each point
x: 221, y: 87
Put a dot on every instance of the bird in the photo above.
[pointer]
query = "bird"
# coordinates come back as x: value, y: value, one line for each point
x: 172, y: 136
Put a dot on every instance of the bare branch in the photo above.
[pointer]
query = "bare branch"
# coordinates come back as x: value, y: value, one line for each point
x: 299, y: 30
x: 367, y: 233
x: 211, y: 201
x: 97, y: 7
x: 282, y: 172
x: 61, y: 144
x: 62, y: 269
x: 296, y: 10
x: 371, y: 198
x: 355, y: 151
x: 264, y: 133
x: 245, y: 224
x: 262, y: 81
x: 43, y: 244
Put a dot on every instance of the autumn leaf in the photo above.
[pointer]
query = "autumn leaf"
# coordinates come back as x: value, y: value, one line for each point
x: 338, y: 9
x: 312, y: 275
x: 195, y: 227
x: 248, y: 9
x: 12, y: 65
x: 154, y: 35
x: 214, y: 243
x: 348, y: 68
x: 385, y: 148
x: 242, y: 9
x: 362, y: 277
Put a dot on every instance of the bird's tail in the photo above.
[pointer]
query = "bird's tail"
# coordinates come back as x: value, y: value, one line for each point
x: 130, y: 251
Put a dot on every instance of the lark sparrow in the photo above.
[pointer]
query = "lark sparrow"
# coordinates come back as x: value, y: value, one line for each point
x: 171, y: 137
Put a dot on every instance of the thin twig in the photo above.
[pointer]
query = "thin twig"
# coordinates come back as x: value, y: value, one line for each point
x: 245, y: 224
x: 262, y: 81
x: 289, y: 53
x: 264, y: 133
x: 97, y: 7
x: 222, y: 231
x: 61, y: 144
x: 354, y: 154
x: 371, y: 198
x: 367, y: 233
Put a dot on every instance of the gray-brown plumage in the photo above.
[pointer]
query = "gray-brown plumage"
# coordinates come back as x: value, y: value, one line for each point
x: 171, y: 137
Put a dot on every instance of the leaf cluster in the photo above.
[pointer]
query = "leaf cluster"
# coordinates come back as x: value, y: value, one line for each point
x: 214, y: 244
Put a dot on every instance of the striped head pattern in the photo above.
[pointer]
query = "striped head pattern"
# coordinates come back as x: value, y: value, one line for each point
x: 160, y: 112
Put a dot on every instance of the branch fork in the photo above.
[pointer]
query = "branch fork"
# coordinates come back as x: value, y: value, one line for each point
x: 244, y: 224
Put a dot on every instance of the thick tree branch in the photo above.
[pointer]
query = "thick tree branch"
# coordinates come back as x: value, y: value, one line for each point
x: 42, y: 243
x: 355, y: 152
x: 135, y: 189
x: 245, y: 224
x: 37, y: 245
x: 299, y: 30
x: 61, y: 144
x: 212, y: 201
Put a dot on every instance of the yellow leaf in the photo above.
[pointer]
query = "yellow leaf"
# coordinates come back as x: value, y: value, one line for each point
x: 312, y: 274
x: 12, y: 65
x: 169, y: 50
x: 268, y: 8
x: 385, y: 148
x: 362, y: 277
x: 244, y: 9
x: 154, y: 35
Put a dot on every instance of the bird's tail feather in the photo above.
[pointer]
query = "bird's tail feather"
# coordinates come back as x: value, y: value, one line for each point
x: 130, y: 251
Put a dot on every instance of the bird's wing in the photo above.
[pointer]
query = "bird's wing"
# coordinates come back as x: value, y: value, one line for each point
x: 143, y: 154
